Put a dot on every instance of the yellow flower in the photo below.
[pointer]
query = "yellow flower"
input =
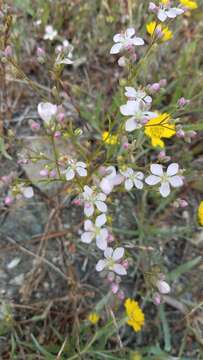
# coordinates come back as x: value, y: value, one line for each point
x: 200, y: 213
x: 166, y: 33
x: 93, y: 318
x: 189, y: 4
x: 159, y: 127
x: 109, y: 139
x: 164, y: 2
x: 135, y: 314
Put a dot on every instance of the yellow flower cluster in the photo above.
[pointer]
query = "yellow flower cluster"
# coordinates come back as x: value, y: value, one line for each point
x: 189, y: 4
x: 166, y: 33
x: 93, y: 318
x: 109, y: 139
x: 135, y: 314
x: 158, y: 128
x: 200, y: 213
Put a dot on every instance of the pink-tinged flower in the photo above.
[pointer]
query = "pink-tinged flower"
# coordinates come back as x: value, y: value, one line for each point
x: 74, y: 168
x: 182, y: 102
x: 93, y: 198
x: 26, y: 191
x: 157, y: 299
x: 114, y: 288
x: 133, y: 178
x: 125, y: 41
x: 34, y: 125
x: 93, y: 231
x: 57, y: 134
x: 8, y: 51
x: 169, y: 178
x: 164, y: 10
x: 50, y: 33
x: 137, y: 112
x: 163, y: 287
x: 155, y: 87
x: 110, y: 180
x: 111, y: 261
x: 44, y: 172
x: 47, y: 111
x: 8, y: 200
x: 137, y: 95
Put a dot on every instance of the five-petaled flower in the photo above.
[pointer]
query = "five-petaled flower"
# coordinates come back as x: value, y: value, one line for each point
x: 125, y: 41
x: 139, y: 95
x: 159, y: 127
x: 50, y: 33
x: 47, y: 111
x: 135, y: 314
x: 138, y: 114
x: 169, y: 178
x: 96, y: 231
x: 164, y: 10
x: 93, y: 198
x: 74, y: 167
x: 111, y: 261
x: 132, y: 178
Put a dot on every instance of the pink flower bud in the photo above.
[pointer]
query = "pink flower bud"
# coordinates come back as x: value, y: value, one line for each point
x: 180, y: 133
x: 102, y: 170
x: 61, y: 117
x: 40, y: 52
x: 110, y: 238
x: 162, y: 154
x: 125, y: 264
x: 152, y: 7
x: 183, y: 203
x: 34, y: 125
x: 110, y: 276
x: 6, y: 179
x: 121, y: 295
x: 126, y: 145
x: 182, y: 102
x: 77, y: 202
x: 157, y: 299
x: 8, y: 51
x: 155, y: 87
x: 192, y: 134
x: 114, y: 288
x: 8, y: 200
x: 57, y: 134
x: 52, y: 173
x: 44, y: 172
x: 163, y: 287
x: 163, y: 82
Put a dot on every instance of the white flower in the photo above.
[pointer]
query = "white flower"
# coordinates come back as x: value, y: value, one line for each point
x: 47, y: 111
x: 26, y: 191
x: 64, y: 53
x: 125, y: 41
x: 163, y: 287
x: 110, y: 180
x: 138, y: 95
x: 138, y: 113
x: 111, y: 261
x: 50, y: 33
x: 167, y: 179
x: 75, y: 167
x: 93, y: 198
x: 132, y: 178
x: 164, y: 10
x: 96, y: 231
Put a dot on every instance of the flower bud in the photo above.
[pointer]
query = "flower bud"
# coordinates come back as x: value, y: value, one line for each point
x: 44, y: 172
x: 163, y: 287
x: 163, y: 82
x: 114, y: 288
x: 34, y: 125
x: 52, y: 173
x: 152, y: 7
x: 8, y: 200
x: 57, y: 134
x: 180, y: 133
x: 157, y: 299
x: 122, y: 61
x: 8, y: 51
x: 121, y: 295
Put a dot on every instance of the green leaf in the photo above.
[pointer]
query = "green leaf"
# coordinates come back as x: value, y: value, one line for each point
x: 182, y: 269
x: 3, y: 149
x: 42, y: 350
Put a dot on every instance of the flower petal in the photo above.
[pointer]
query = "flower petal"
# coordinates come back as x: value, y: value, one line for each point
x: 130, y: 92
x: 176, y: 181
x: 118, y: 253
x: 152, y: 180
x: 137, y: 41
x: 108, y: 252
x: 156, y: 169
x: 87, y: 237
x: 101, y: 206
x: 128, y: 184
x: 172, y: 169
x: 116, y: 48
x: 131, y: 124
x: 100, y: 220
x: 100, y: 265
x: 101, y: 241
x: 28, y: 192
x: 162, y: 15
x: 119, y: 269
x: 130, y: 32
x: 118, y: 38
x: 81, y: 171
x: 88, y: 209
x: 88, y: 225
x: 129, y: 108
x: 164, y: 189
x: 138, y: 184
